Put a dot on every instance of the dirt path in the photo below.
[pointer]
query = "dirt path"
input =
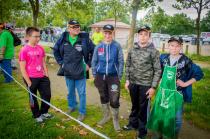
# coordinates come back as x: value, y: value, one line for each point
x: 58, y: 86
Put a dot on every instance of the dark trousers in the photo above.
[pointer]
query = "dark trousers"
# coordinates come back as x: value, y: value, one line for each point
x: 43, y: 86
x: 109, y: 89
x: 139, y: 110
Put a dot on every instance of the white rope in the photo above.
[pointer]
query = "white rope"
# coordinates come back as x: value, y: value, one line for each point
x: 57, y: 109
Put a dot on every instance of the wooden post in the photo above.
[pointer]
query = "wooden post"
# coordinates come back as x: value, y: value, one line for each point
x: 163, y: 48
x: 186, y: 50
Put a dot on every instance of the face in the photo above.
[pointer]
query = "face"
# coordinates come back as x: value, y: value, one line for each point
x: 34, y: 38
x: 108, y: 36
x: 174, y: 48
x: 144, y: 37
x: 74, y: 29
x: 97, y: 30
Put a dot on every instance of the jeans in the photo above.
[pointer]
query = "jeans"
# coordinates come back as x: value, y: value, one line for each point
x: 80, y: 85
x: 6, y: 65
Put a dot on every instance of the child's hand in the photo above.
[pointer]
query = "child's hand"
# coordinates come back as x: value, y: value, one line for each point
x: 29, y: 84
x: 150, y: 93
x: 87, y: 67
x: 181, y: 83
x: 126, y: 85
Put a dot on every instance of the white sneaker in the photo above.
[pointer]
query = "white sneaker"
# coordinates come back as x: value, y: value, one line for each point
x: 39, y: 119
x: 46, y: 116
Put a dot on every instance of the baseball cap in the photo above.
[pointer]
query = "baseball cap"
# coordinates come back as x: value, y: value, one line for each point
x: 73, y: 22
x: 9, y: 26
x: 145, y: 28
x: 177, y: 39
x: 108, y: 27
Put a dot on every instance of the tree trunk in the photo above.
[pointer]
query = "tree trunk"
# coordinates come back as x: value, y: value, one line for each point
x: 198, y: 32
x: 35, y: 10
x: 135, y: 7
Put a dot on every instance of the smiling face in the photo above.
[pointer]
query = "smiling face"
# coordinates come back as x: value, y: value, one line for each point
x: 74, y: 30
x: 144, y: 37
x: 108, y: 36
x: 174, y: 48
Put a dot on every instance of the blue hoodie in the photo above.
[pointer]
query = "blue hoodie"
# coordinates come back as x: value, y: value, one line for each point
x: 108, y: 59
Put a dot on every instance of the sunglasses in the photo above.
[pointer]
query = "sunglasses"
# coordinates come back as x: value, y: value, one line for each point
x: 76, y: 26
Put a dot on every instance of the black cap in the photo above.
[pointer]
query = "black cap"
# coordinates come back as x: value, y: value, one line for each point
x: 108, y: 27
x: 9, y: 26
x: 73, y: 22
x: 145, y: 27
x: 177, y: 39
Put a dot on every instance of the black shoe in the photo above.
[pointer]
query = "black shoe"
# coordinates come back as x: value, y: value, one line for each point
x: 128, y: 127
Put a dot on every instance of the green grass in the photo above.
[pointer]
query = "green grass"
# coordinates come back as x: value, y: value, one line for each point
x: 198, y: 112
x: 195, y: 57
x: 16, y: 120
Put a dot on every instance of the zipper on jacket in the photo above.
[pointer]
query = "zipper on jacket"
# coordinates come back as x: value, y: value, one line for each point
x: 107, y: 59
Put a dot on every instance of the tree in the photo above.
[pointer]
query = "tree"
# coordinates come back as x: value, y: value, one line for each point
x: 35, y: 10
x: 135, y: 6
x: 180, y: 24
x: 205, y: 23
x: 159, y: 21
x: 198, y: 5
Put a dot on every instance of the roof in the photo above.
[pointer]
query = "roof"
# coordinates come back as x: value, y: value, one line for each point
x: 112, y: 22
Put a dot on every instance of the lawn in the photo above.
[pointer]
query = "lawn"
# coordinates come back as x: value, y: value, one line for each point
x: 16, y: 120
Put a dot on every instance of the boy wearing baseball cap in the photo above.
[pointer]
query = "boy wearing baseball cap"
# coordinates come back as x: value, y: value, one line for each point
x: 107, y: 68
x: 143, y: 72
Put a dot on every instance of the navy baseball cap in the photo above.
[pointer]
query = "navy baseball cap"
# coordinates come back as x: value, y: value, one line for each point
x: 177, y: 39
x: 108, y: 28
x: 73, y: 22
x: 145, y: 28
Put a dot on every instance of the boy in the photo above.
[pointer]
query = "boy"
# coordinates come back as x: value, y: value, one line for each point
x: 35, y: 74
x: 142, y: 75
x: 107, y: 67
x: 187, y: 73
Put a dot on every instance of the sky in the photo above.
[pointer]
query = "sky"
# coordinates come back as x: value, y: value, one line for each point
x: 167, y: 6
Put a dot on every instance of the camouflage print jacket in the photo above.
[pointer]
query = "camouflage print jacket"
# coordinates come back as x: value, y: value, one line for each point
x: 143, y: 65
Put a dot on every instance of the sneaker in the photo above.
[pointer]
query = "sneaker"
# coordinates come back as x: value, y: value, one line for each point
x: 128, y: 127
x: 39, y: 119
x: 81, y: 117
x: 46, y: 116
x: 70, y: 111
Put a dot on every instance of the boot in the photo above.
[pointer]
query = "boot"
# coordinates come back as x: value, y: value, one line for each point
x: 106, y: 114
x: 115, y: 116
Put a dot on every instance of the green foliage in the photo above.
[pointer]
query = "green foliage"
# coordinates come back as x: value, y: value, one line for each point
x: 205, y: 23
x: 180, y: 24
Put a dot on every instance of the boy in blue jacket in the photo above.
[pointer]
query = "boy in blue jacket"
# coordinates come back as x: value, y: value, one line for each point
x: 187, y: 74
x: 107, y: 68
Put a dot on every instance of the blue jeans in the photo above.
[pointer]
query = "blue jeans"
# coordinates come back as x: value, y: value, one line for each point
x: 6, y: 65
x: 80, y: 85
x: 179, y: 120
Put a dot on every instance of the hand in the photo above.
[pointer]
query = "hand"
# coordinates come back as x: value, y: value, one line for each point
x: 87, y: 67
x: 181, y: 83
x: 29, y: 84
x: 150, y: 93
x: 126, y: 85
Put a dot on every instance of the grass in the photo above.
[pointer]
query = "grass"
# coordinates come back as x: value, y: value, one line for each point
x: 195, y: 57
x: 198, y: 112
x: 16, y: 119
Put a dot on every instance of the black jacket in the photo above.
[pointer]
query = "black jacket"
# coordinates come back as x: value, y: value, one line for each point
x: 71, y: 57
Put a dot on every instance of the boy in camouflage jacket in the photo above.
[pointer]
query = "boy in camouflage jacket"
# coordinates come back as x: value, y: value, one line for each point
x: 143, y: 72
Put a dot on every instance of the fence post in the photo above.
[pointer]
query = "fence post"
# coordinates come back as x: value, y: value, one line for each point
x: 163, y: 48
